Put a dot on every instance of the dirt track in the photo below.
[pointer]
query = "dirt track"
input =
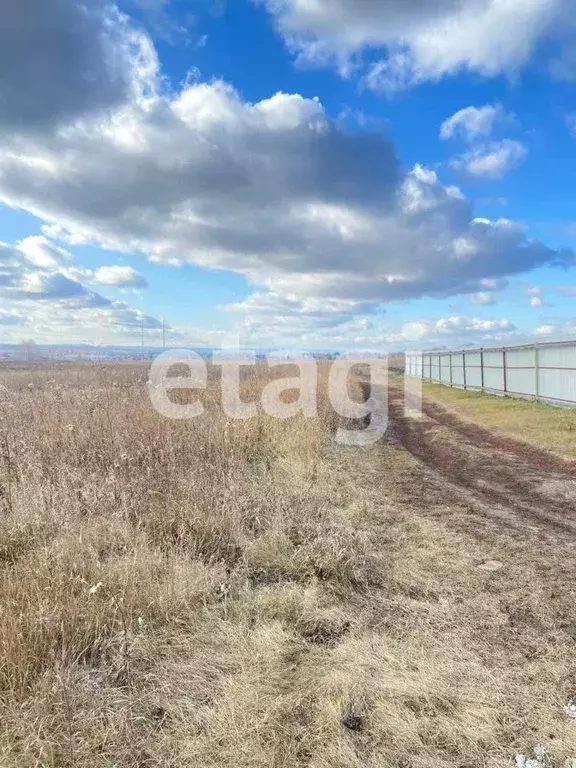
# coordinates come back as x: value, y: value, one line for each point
x: 512, y: 482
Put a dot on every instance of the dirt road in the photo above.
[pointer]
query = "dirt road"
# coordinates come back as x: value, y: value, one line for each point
x: 510, y: 481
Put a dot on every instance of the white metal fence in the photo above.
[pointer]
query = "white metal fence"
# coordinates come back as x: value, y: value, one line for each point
x: 536, y: 371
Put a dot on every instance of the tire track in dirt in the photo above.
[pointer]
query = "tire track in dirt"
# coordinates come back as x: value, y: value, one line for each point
x: 521, y: 485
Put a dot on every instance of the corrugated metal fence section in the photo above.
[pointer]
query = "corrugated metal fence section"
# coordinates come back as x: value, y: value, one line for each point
x: 536, y: 371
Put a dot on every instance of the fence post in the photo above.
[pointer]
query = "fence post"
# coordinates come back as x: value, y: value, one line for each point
x: 451, y: 375
x: 505, y: 370
x: 482, y: 369
x: 537, y: 371
x: 464, y: 369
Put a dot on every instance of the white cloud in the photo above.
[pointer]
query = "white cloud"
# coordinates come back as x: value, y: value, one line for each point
x: 268, y: 319
x: 557, y: 329
x: 273, y: 305
x: 474, y: 324
x: 483, y: 299
x: 546, y: 330
x: 41, y: 287
x: 492, y: 161
x: 11, y: 318
x: 273, y: 190
x: 490, y: 284
x: 535, y: 297
x: 41, y: 253
x: 471, y: 122
x: 420, y: 39
x: 278, y: 326
x: 455, y: 331
x: 37, y: 269
x: 122, y: 276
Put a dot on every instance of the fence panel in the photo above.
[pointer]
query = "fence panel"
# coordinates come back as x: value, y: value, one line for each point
x: 521, y: 372
x: 445, y: 369
x: 473, y: 370
x: 494, y: 376
x: 458, y: 369
x: 544, y: 371
x: 414, y: 363
x: 557, y: 373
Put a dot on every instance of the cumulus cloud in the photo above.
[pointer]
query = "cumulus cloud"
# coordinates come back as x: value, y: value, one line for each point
x: 41, y: 287
x: 420, y: 39
x: 121, y: 276
x: 454, y: 331
x: 273, y: 190
x: 288, y: 320
x: 274, y: 320
x: 483, y: 299
x: 325, y: 312
x: 41, y: 253
x: 36, y: 268
x: 470, y: 122
x: 492, y: 161
x: 55, y: 286
x: 556, y: 329
x: 535, y: 298
x: 11, y: 318
x: 64, y: 59
x: 270, y: 320
x: 113, y: 323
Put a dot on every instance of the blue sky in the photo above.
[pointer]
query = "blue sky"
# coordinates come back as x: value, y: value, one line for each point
x: 324, y: 174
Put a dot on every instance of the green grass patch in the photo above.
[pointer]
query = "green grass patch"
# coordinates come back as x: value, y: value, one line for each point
x: 538, y: 423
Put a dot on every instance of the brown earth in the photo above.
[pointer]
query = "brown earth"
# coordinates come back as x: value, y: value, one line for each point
x: 518, y: 484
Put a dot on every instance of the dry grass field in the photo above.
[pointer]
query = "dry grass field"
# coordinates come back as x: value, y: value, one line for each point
x: 249, y: 594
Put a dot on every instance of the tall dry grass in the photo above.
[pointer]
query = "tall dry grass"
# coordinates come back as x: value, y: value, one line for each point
x: 247, y: 594
x: 155, y: 575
